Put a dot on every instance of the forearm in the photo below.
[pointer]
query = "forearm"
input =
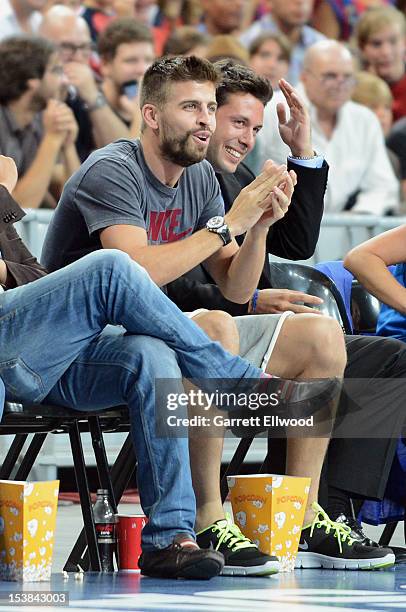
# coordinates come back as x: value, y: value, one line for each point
x: 107, y: 126
x: 32, y: 187
x: 242, y: 277
x: 71, y: 161
x: 166, y: 262
x: 373, y: 274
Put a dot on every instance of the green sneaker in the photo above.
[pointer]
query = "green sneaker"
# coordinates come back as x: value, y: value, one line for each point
x: 325, y: 543
x: 242, y: 557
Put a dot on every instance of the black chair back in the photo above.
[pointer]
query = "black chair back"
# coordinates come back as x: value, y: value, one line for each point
x: 364, y: 309
x: 304, y: 278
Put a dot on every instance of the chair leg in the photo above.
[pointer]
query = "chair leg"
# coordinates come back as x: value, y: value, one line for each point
x: 84, y: 494
x: 388, y: 533
x: 30, y: 456
x: 234, y: 465
x: 101, y: 459
x: 120, y: 473
x: 12, y: 456
x: 275, y: 460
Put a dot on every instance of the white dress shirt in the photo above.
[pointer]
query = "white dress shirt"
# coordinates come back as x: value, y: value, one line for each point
x: 356, y: 154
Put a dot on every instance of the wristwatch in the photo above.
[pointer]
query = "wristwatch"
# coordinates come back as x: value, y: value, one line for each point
x: 99, y: 102
x: 216, y: 225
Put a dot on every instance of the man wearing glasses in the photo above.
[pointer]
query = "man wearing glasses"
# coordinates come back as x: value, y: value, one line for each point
x: 347, y: 134
x: 98, y: 123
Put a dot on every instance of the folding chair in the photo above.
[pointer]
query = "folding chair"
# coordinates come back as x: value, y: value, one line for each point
x: 41, y: 420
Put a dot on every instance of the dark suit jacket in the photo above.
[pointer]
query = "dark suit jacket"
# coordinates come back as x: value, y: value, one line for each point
x: 293, y: 237
x: 22, y: 267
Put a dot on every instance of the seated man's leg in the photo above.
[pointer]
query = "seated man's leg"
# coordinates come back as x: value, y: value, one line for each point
x: 206, y: 452
x: 360, y: 467
x: 308, y: 346
x: 121, y: 369
x: 47, y: 323
x: 242, y: 556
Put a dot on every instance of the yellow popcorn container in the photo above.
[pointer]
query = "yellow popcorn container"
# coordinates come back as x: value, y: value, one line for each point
x: 269, y: 509
x: 27, y: 527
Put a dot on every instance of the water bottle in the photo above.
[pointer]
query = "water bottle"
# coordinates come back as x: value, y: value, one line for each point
x: 105, y: 524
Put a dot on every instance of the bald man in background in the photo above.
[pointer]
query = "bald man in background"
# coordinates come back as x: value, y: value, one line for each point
x: 98, y: 123
x: 346, y: 134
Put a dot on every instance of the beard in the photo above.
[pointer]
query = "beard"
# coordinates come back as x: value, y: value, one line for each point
x: 181, y: 150
x: 38, y: 103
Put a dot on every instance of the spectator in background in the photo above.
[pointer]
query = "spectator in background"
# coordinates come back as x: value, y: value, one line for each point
x: 338, y: 18
x: 36, y: 129
x: 97, y: 14
x: 396, y: 142
x: 222, y: 16
x: 290, y: 18
x: 20, y: 17
x: 98, y: 123
x: 373, y: 92
x: 381, y: 38
x: 126, y: 49
x: 186, y: 40
x: 347, y: 134
x: 227, y: 47
x: 270, y: 57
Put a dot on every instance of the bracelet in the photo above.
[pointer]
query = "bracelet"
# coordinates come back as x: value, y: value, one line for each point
x: 254, y: 300
x: 298, y: 156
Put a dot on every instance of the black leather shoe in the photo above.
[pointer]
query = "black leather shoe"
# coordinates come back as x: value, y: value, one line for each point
x: 182, y: 559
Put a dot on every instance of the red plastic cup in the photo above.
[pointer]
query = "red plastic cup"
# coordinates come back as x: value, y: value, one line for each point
x: 129, y: 529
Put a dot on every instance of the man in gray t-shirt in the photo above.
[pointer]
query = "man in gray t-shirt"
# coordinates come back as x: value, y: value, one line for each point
x: 116, y: 187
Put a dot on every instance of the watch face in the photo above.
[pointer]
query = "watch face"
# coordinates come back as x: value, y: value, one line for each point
x: 215, y: 222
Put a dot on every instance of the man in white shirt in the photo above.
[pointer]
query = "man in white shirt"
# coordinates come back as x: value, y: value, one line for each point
x: 347, y: 134
x: 20, y: 17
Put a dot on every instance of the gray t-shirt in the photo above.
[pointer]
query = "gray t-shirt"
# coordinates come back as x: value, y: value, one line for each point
x: 114, y: 186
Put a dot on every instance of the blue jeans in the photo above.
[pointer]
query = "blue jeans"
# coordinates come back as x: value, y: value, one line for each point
x: 51, y: 347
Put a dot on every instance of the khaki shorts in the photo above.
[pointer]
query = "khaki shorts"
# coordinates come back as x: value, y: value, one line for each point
x: 258, y: 335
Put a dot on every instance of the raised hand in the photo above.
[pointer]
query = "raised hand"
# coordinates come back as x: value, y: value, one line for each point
x: 295, y: 131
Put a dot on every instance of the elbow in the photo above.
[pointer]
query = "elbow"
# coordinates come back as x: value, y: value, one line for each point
x: 353, y: 261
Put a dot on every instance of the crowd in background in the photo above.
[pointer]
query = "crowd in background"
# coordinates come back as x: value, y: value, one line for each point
x: 70, y: 75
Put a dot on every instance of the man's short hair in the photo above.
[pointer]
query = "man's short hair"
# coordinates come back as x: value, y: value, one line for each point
x: 238, y: 79
x: 165, y: 71
x: 280, y: 39
x: 119, y: 32
x: 22, y: 58
x: 375, y: 20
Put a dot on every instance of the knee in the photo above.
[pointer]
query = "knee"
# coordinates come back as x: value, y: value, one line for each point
x: 221, y: 327
x: 114, y: 261
x: 327, y: 344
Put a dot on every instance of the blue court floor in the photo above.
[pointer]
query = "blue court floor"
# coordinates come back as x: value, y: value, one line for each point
x: 300, y: 591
